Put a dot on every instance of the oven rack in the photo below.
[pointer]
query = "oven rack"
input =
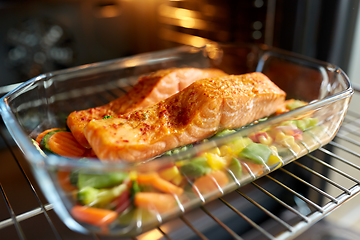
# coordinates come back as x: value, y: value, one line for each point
x: 281, y: 205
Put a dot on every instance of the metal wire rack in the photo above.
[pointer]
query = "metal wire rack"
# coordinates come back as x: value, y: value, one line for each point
x: 281, y: 205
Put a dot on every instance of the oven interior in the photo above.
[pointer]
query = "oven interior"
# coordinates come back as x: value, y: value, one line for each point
x: 282, y: 205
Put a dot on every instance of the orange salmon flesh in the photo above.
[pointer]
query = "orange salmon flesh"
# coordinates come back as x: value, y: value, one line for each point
x: 197, y: 112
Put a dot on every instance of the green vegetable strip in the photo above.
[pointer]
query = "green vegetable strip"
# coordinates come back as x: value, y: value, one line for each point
x: 256, y: 153
x: 101, y: 180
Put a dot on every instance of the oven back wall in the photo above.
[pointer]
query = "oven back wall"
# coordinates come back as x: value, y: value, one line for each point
x: 42, y: 36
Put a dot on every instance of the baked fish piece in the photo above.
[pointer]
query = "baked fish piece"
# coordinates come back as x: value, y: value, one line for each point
x: 197, y: 112
x: 149, y: 90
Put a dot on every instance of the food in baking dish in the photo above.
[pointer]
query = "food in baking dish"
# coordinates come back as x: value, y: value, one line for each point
x: 199, y: 111
x: 120, y: 197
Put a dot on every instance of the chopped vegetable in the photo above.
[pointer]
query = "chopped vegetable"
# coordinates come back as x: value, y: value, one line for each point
x: 261, y: 137
x: 239, y: 144
x: 256, y: 153
x: 293, y: 104
x: 101, y: 180
x: 136, y: 215
x: 41, y: 135
x: 235, y: 168
x: 301, y: 124
x: 64, y: 181
x: 178, y: 180
x: 210, y: 182
x: 311, y: 122
x: 95, y: 216
x: 44, y: 143
x: 224, y: 133
x: 290, y: 105
x: 146, y: 178
x: 287, y: 141
x: 290, y: 129
x: 87, y: 195
x: 100, y: 197
x: 196, y: 167
x: 166, y: 186
x: 122, y: 202
x: 213, y: 151
x: 160, y: 202
x: 225, y: 151
x: 169, y: 173
x: 274, y: 160
x: 215, y: 161
x: 156, y: 181
x: 134, y: 188
x: 306, y: 123
x: 178, y: 150
x: 62, y: 143
x: 172, y: 174
x: 106, y: 117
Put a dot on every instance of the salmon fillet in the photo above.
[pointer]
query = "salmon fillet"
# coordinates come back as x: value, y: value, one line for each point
x: 149, y: 90
x: 199, y: 111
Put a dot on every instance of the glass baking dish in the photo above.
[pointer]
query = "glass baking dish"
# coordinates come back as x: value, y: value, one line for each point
x: 45, y: 101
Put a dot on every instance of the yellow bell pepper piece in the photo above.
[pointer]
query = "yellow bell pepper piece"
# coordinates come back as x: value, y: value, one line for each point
x: 273, y: 159
x: 239, y: 144
x: 215, y: 151
x: 133, y: 175
x: 177, y: 180
x: 215, y: 161
x: 225, y: 151
x: 170, y: 173
x: 287, y: 141
x: 181, y: 163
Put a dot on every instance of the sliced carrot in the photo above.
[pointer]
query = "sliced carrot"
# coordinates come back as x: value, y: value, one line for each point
x: 161, y: 202
x: 167, y: 187
x: 210, y: 182
x: 64, y: 144
x: 64, y: 181
x: 95, y: 216
x: 161, y: 184
x: 146, y: 178
x: 41, y: 135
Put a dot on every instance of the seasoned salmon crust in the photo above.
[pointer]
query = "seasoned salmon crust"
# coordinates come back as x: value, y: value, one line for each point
x: 149, y: 90
x: 203, y: 108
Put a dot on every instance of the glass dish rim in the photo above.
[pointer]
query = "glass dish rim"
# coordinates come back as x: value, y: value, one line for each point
x: 35, y: 157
